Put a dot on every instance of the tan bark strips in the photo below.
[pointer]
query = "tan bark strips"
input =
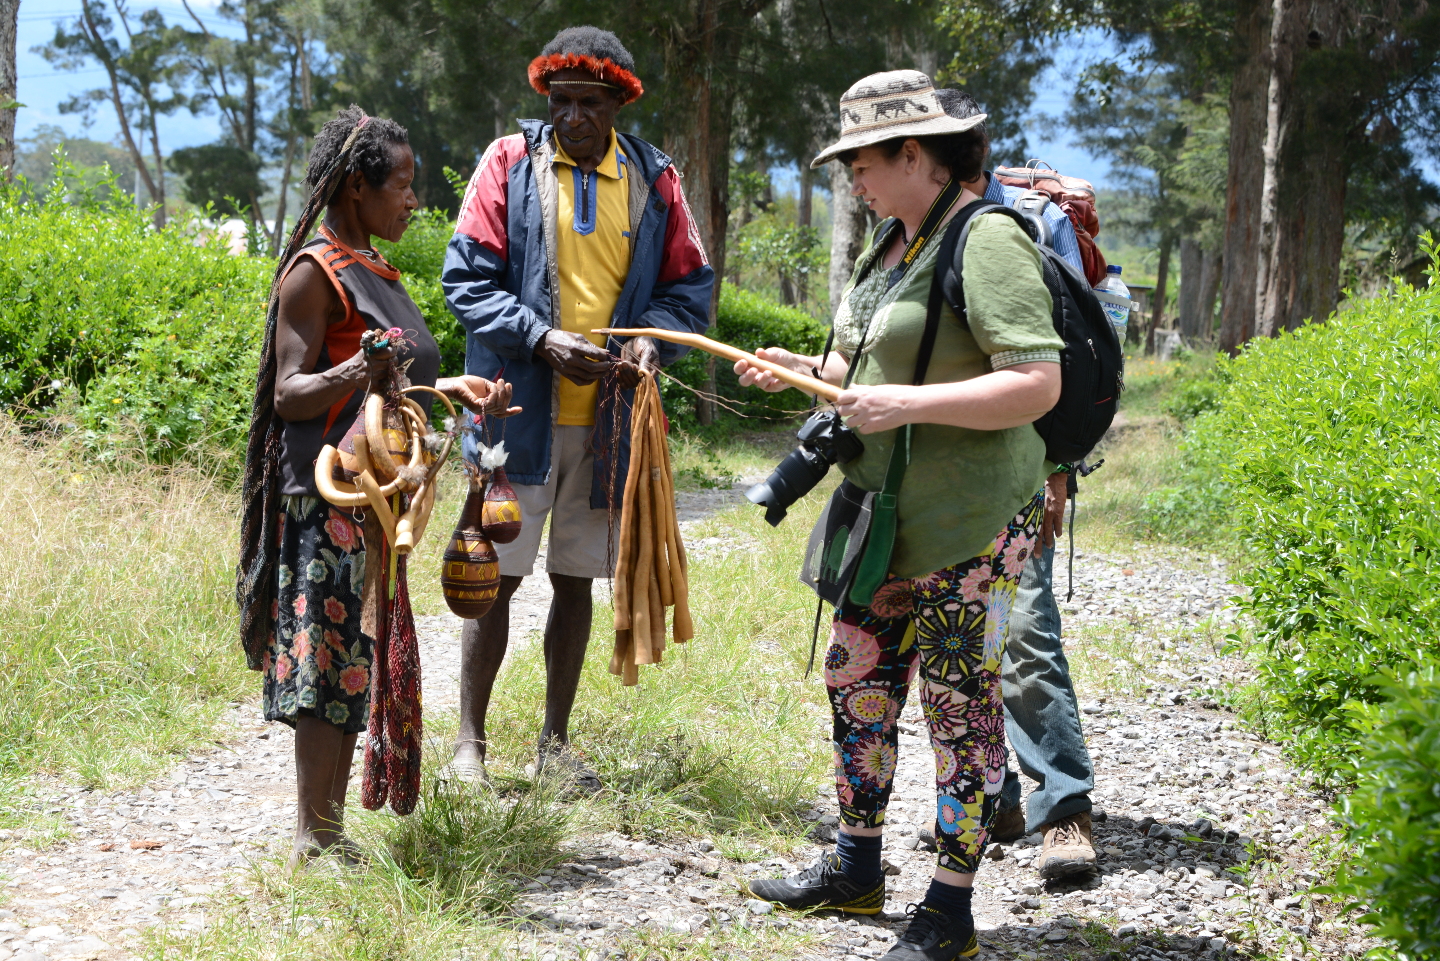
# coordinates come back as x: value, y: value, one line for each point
x: 651, y: 569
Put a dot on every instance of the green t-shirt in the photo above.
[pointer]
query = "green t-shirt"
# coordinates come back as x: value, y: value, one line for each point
x: 962, y: 486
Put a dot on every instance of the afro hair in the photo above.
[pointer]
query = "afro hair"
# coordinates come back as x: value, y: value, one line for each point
x: 596, y: 51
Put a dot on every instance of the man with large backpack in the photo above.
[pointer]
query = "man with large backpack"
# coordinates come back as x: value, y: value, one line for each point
x: 1042, y: 717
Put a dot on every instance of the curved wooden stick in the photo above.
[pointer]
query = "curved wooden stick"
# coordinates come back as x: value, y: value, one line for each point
x: 326, y: 485
x: 431, y: 390
x: 385, y: 467
x: 340, y: 493
x: 365, y: 480
x: 799, y: 381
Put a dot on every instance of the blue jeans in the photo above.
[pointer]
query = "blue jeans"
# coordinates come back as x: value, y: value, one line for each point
x: 1042, y: 716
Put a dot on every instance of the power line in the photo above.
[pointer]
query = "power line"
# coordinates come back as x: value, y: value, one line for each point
x: 60, y: 73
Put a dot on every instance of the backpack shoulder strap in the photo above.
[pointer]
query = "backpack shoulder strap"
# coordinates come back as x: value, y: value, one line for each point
x: 949, y: 264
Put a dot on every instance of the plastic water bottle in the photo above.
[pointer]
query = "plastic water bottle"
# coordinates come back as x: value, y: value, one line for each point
x: 1114, y: 296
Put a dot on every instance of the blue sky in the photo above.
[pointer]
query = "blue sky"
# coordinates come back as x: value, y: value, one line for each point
x: 42, y: 88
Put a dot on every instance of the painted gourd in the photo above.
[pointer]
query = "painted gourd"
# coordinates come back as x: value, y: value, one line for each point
x: 500, y: 517
x: 347, y: 468
x: 470, y: 569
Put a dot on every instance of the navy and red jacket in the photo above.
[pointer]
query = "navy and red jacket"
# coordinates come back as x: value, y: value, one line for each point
x: 501, y: 282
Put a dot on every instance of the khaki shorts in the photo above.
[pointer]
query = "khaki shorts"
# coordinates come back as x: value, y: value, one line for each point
x: 580, y: 538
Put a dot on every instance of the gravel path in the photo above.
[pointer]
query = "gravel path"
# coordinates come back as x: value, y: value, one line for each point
x: 1199, y: 824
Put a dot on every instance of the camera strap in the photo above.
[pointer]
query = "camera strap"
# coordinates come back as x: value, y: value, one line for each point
x: 941, y: 206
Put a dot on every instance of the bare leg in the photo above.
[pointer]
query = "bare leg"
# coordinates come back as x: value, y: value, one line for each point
x: 338, y: 788
x: 567, y: 634
x: 482, y: 651
x: 322, y: 750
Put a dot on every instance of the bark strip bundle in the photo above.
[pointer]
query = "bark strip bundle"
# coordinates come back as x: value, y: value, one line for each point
x: 651, y: 570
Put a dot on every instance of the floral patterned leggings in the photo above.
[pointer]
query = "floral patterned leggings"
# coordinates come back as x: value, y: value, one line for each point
x: 951, y: 625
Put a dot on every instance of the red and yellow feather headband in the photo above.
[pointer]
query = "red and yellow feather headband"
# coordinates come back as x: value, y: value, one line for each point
x: 606, y: 71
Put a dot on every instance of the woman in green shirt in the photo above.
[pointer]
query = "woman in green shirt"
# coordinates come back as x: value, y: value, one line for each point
x: 968, y: 505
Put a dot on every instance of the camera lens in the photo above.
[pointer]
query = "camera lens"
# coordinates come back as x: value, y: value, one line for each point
x: 791, y: 480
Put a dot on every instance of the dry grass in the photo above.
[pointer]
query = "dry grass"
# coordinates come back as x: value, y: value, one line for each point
x: 117, y: 610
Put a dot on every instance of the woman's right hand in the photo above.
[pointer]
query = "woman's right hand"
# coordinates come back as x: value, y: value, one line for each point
x: 752, y: 376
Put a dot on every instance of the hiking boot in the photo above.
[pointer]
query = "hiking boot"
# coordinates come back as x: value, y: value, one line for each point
x: 1068, y: 848
x: 821, y: 885
x: 1009, y: 825
x: 934, y: 936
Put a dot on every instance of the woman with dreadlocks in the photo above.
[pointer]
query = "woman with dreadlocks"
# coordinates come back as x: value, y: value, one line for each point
x: 303, y: 561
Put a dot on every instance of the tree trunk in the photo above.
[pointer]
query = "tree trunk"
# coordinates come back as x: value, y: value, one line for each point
x: 1243, y: 182
x: 9, y: 12
x: 787, y: 290
x: 701, y: 54
x: 1210, y: 272
x: 1307, y: 128
x: 101, y: 52
x: 1273, y: 281
x: 1162, y: 279
x: 1190, y: 260
x: 159, y: 218
x: 849, y: 220
x: 805, y: 203
x: 277, y: 237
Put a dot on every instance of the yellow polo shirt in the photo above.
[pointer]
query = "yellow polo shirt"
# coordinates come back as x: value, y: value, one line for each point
x: 592, y: 256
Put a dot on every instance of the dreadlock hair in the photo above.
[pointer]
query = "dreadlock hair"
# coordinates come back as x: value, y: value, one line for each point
x: 371, y: 154
x: 350, y: 142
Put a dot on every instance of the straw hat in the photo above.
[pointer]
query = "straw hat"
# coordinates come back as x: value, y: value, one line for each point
x: 898, y: 103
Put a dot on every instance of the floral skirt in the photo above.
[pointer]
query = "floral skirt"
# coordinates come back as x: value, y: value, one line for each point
x: 950, y: 627
x: 319, y: 659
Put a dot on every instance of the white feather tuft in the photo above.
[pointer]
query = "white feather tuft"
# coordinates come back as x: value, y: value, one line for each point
x: 493, y: 457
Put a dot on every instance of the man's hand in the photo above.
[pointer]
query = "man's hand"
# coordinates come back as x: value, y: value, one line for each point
x: 479, y: 395
x: 1052, y: 524
x: 577, y: 360
x: 637, y: 354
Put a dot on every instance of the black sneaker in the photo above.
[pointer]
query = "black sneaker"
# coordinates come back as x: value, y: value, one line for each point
x: 934, y: 936
x: 821, y: 885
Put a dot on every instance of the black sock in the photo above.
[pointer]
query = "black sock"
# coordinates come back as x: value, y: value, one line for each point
x: 859, y: 857
x: 949, y: 899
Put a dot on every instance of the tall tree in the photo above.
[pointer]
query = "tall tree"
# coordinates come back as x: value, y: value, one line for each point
x: 9, y: 14
x: 1132, y: 119
x: 1327, y: 73
x: 294, y: 119
x: 146, y: 78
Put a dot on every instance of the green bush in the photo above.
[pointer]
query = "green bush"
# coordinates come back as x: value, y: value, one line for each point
x: 1332, y: 446
x: 147, y: 335
x: 1394, y: 815
x: 420, y: 256
x: 149, y: 339
x: 748, y: 321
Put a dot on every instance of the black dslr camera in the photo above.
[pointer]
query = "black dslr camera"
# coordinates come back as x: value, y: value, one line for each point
x: 823, y: 440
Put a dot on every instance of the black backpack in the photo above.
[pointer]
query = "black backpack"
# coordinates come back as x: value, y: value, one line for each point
x: 1092, y: 365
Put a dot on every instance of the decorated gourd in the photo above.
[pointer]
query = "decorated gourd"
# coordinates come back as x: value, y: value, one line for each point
x: 395, y: 458
x: 470, y: 569
x: 500, y: 516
